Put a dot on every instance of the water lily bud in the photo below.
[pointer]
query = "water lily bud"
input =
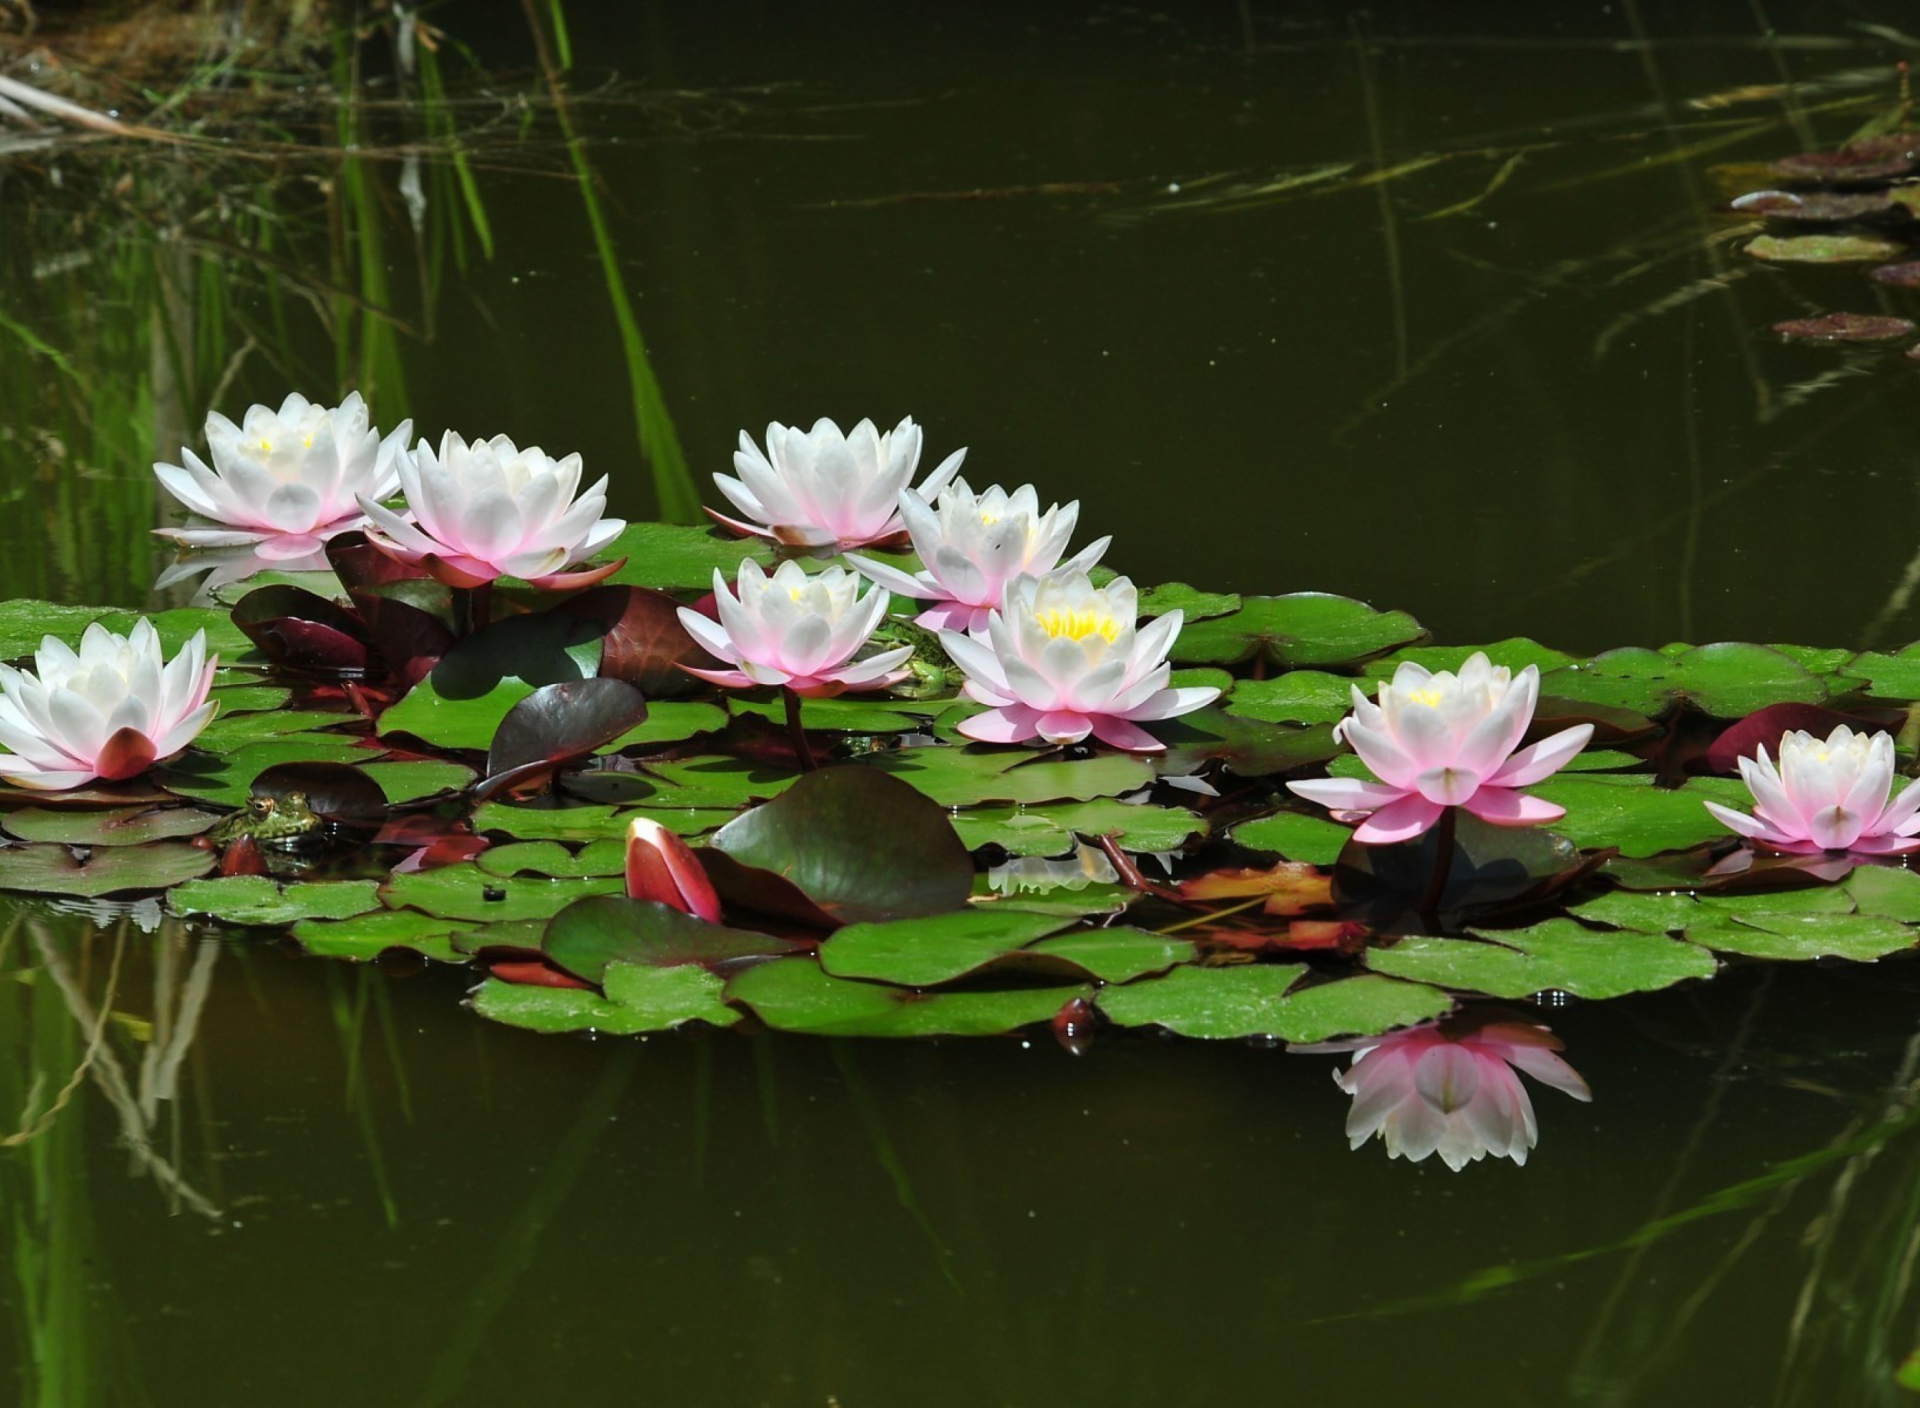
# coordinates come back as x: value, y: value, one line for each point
x: 1827, y: 795
x: 660, y: 866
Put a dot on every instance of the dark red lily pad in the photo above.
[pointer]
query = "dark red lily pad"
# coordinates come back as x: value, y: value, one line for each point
x: 558, y: 724
x: 338, y: 792
x: 855, y: 844
x: 1899, y: 275
x: 1844, y: 327
x: 1764, y: 727
x: 644, y: 642
x: 301, y: 630
x: 1818, y: 207
x: 589, y: 934
x: 1870, y: 159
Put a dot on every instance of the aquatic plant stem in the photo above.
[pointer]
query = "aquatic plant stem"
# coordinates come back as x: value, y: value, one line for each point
x: 802, y: 749
x: 472, y: 609
x: 1442, y: 867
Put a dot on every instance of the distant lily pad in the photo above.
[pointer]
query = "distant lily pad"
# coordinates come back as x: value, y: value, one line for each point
x: 1297, y: 697
x: 1627, y: 811
x: 107, y: 870
x: 1304, y: 629
x: 1295, y: 836
x: 1516, y: 653
x: 366, y: 936
x: 795, y: 995
x: 1828, y: 921
x: 1555, y: 954
x: 1845, y: 327
x: 966, y: 777
x: 467, y: 892
x: 1264, y: 1000
x: 638, y: 1000
x: 122, y: 826
x: 1050, y: 830
x: 591, y: 934
x: 1823, y: 249
x: 1869, y: 159
x: 937, y: 949
x: 1194, y: 604
x: 254, y: 899
x: 669, y: 556
x: 605, y: 857
x: 1905, y: 275
x: 1728, y: 680
x: 1887, y: 676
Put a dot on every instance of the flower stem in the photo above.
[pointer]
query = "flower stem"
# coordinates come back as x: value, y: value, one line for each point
x: 1442, y: 869
x: 472, y: 608
x: 796, y: 733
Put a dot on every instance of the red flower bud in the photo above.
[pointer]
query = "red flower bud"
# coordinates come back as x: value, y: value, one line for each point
x: 660, y: 866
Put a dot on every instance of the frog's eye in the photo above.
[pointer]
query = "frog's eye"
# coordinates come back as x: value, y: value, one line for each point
x: 261, y: 806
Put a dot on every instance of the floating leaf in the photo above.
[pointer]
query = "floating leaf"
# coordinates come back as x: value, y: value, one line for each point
x: 643, y: 641
x: 365, y: 937
x: 108, y: 870
x: 1195, y: 605
x: 1888, y: 676
x: 1113, y: 955
x: 1817, y: 207
x: 1364, y: 1005
x: 123, y: 826
x: 845, y: 714
x: 1297, y: 837
x: 607, y: 857
x: 667, y: 555
x: 1306, y: 628
x: 650, y: 1000
x: 966, y: 777
x: 1050, y: 830
x: 467, y: 892
x: 1297, y: 697
x: 1248, y: 747
x: 726, y: 784
x: 1844, y: 327
x: 1870, y: 159
x: 332, y: 790
x: 418, y: 778
x: 1728, y: 680
x: 227, y: 778
x: 856, y: 843
x: 794, y: 995
x: 254, y: 899
x: 935, y: 949
x: 1899, y: 275
x: 1553, y: 955
x: 1783, y: 924
x: 1629, y: 812
x: 304, y: 631
x: 1260, y: 1000
x: 589, y: 934
x: 1823, y: 249
x: 228, y: 732
x: 1516, y: 653
x: 562, y: 723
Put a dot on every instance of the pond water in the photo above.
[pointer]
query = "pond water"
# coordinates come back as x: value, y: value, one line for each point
x: 1521, y: 384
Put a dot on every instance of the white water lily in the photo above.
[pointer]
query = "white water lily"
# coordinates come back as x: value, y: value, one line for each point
x: 972, y: 545
x: 821, y: 488
x: 108, y: 710
x: 795, y: 630
x: 490, y: 509
x: 1061, y: 659
x: 1827, y: 794
x: 284, y: 481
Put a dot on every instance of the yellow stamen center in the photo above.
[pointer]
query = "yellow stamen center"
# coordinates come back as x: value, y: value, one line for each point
x: 1428, y: 697
x: 1077, y: 625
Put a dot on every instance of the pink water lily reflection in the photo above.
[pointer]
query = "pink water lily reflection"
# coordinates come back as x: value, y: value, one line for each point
x: 1451, y: 1088
x: 1437, y: 740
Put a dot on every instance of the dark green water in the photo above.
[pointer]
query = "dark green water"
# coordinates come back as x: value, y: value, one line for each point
x: 851, y: 210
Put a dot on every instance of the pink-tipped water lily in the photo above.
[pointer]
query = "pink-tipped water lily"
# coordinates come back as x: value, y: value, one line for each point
x: 972, y: 545
x: 1827, y: 794
x: 1061, y: 660
x: 284, y: 481
x: 795, y: 630
x: 490, y: 509
x: 662, y: 867
x: 1439, y: 740
x: 108, y: 710
x: 1436, y: 1088
x: 820, y: 488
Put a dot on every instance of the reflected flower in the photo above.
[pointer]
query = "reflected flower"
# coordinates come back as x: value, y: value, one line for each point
x: 284, y: 481
x: 489, y: 509
x: 662, y: 867
x: 107, y: 711
x: 1088, y: 865
x: 1452, y: 1088
x: 222, y: 567
x: 1061, y: 660
x: 820, y: 488
x: 1439, y: 740
x: 1827, y: 795
x: 972, y: 545
x: 795, y: 630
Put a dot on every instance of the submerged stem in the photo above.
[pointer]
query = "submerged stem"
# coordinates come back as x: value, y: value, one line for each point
x: 797, y: 733
x: 1442, y: 868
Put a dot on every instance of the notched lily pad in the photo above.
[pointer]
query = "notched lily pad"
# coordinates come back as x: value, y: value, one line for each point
x: 1727, y: 680
x: 1306, y: 628
x: 1265, y: 1000
x: 1628, y: 812
x: 795, y: 995
x: 1554, y: 955
x: 256, y: 900
x: 1051, y: 830
x: 1823, y: 249
x: 638, y: 1000
x: 107, y: 870
x: 925, y: 952
x: 1844, y: 327
x: 122, y: 826
x: 467, y: 892
x: 588, y: 935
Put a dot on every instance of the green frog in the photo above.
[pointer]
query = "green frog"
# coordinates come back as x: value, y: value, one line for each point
x: 283, y: 822
x: 933, y: 673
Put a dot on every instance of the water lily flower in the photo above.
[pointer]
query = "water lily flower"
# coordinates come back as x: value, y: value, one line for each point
x: 1439, y: 740
x: 820, y: 488
x: 284, y: 481
x: 795, y: 630
x: 1436, y: 1088
x: 490, y: 509
x: 662, y: 867
x: 1827, y: 794
x: 108, y: 711
x: 1061, y: 659
x: 972, y: 545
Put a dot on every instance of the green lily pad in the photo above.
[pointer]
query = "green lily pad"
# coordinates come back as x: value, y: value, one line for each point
x: 1516, y: 653
x: 702, y: 783
x: 1601, y: 760
x: 122, y: 826
x: 1247, y: 746
x: 606, y: 857
x: 1293, y: 836
x: 588, y: 936
x: 1364, y: 1005
x: 651, y: 1000
x: 1306, y: 628
x: 468, y: 724
x: 1627, y: 811
x: 1114, y: 955
x: 665, y: 998
x: 964, y: 777
x: 1261, y: 1000
x: 1050, y: 830
x: 254, y: 899
x: 936, y: 949
x: 1729, y: 680
x: 1297, y: 697
x: 1823, y: 249
x: 795, y: 995
x: 226, y: 779
x: 1196, y: 605
x: 249, y: 697
x: 668, y: 556
x: 850, y: 713
x: 1887, y: 676
x: 672, y: 721
x: 108, y: 870
x: 468, y: 892
x: 1555, y: 954
x: 230, y: 731
x: 1814, y: 660
x: 418, y: 778
x: 365, y: 937
x: 1828, y: 921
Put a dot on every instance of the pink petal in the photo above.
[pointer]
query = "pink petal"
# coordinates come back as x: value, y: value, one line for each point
x: 1543, y: 759
x: 1504, y: 807
x: 1347, y: 794
x: 1403, y: 820
x: 1013, y: 724
x: 1122, y: 734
